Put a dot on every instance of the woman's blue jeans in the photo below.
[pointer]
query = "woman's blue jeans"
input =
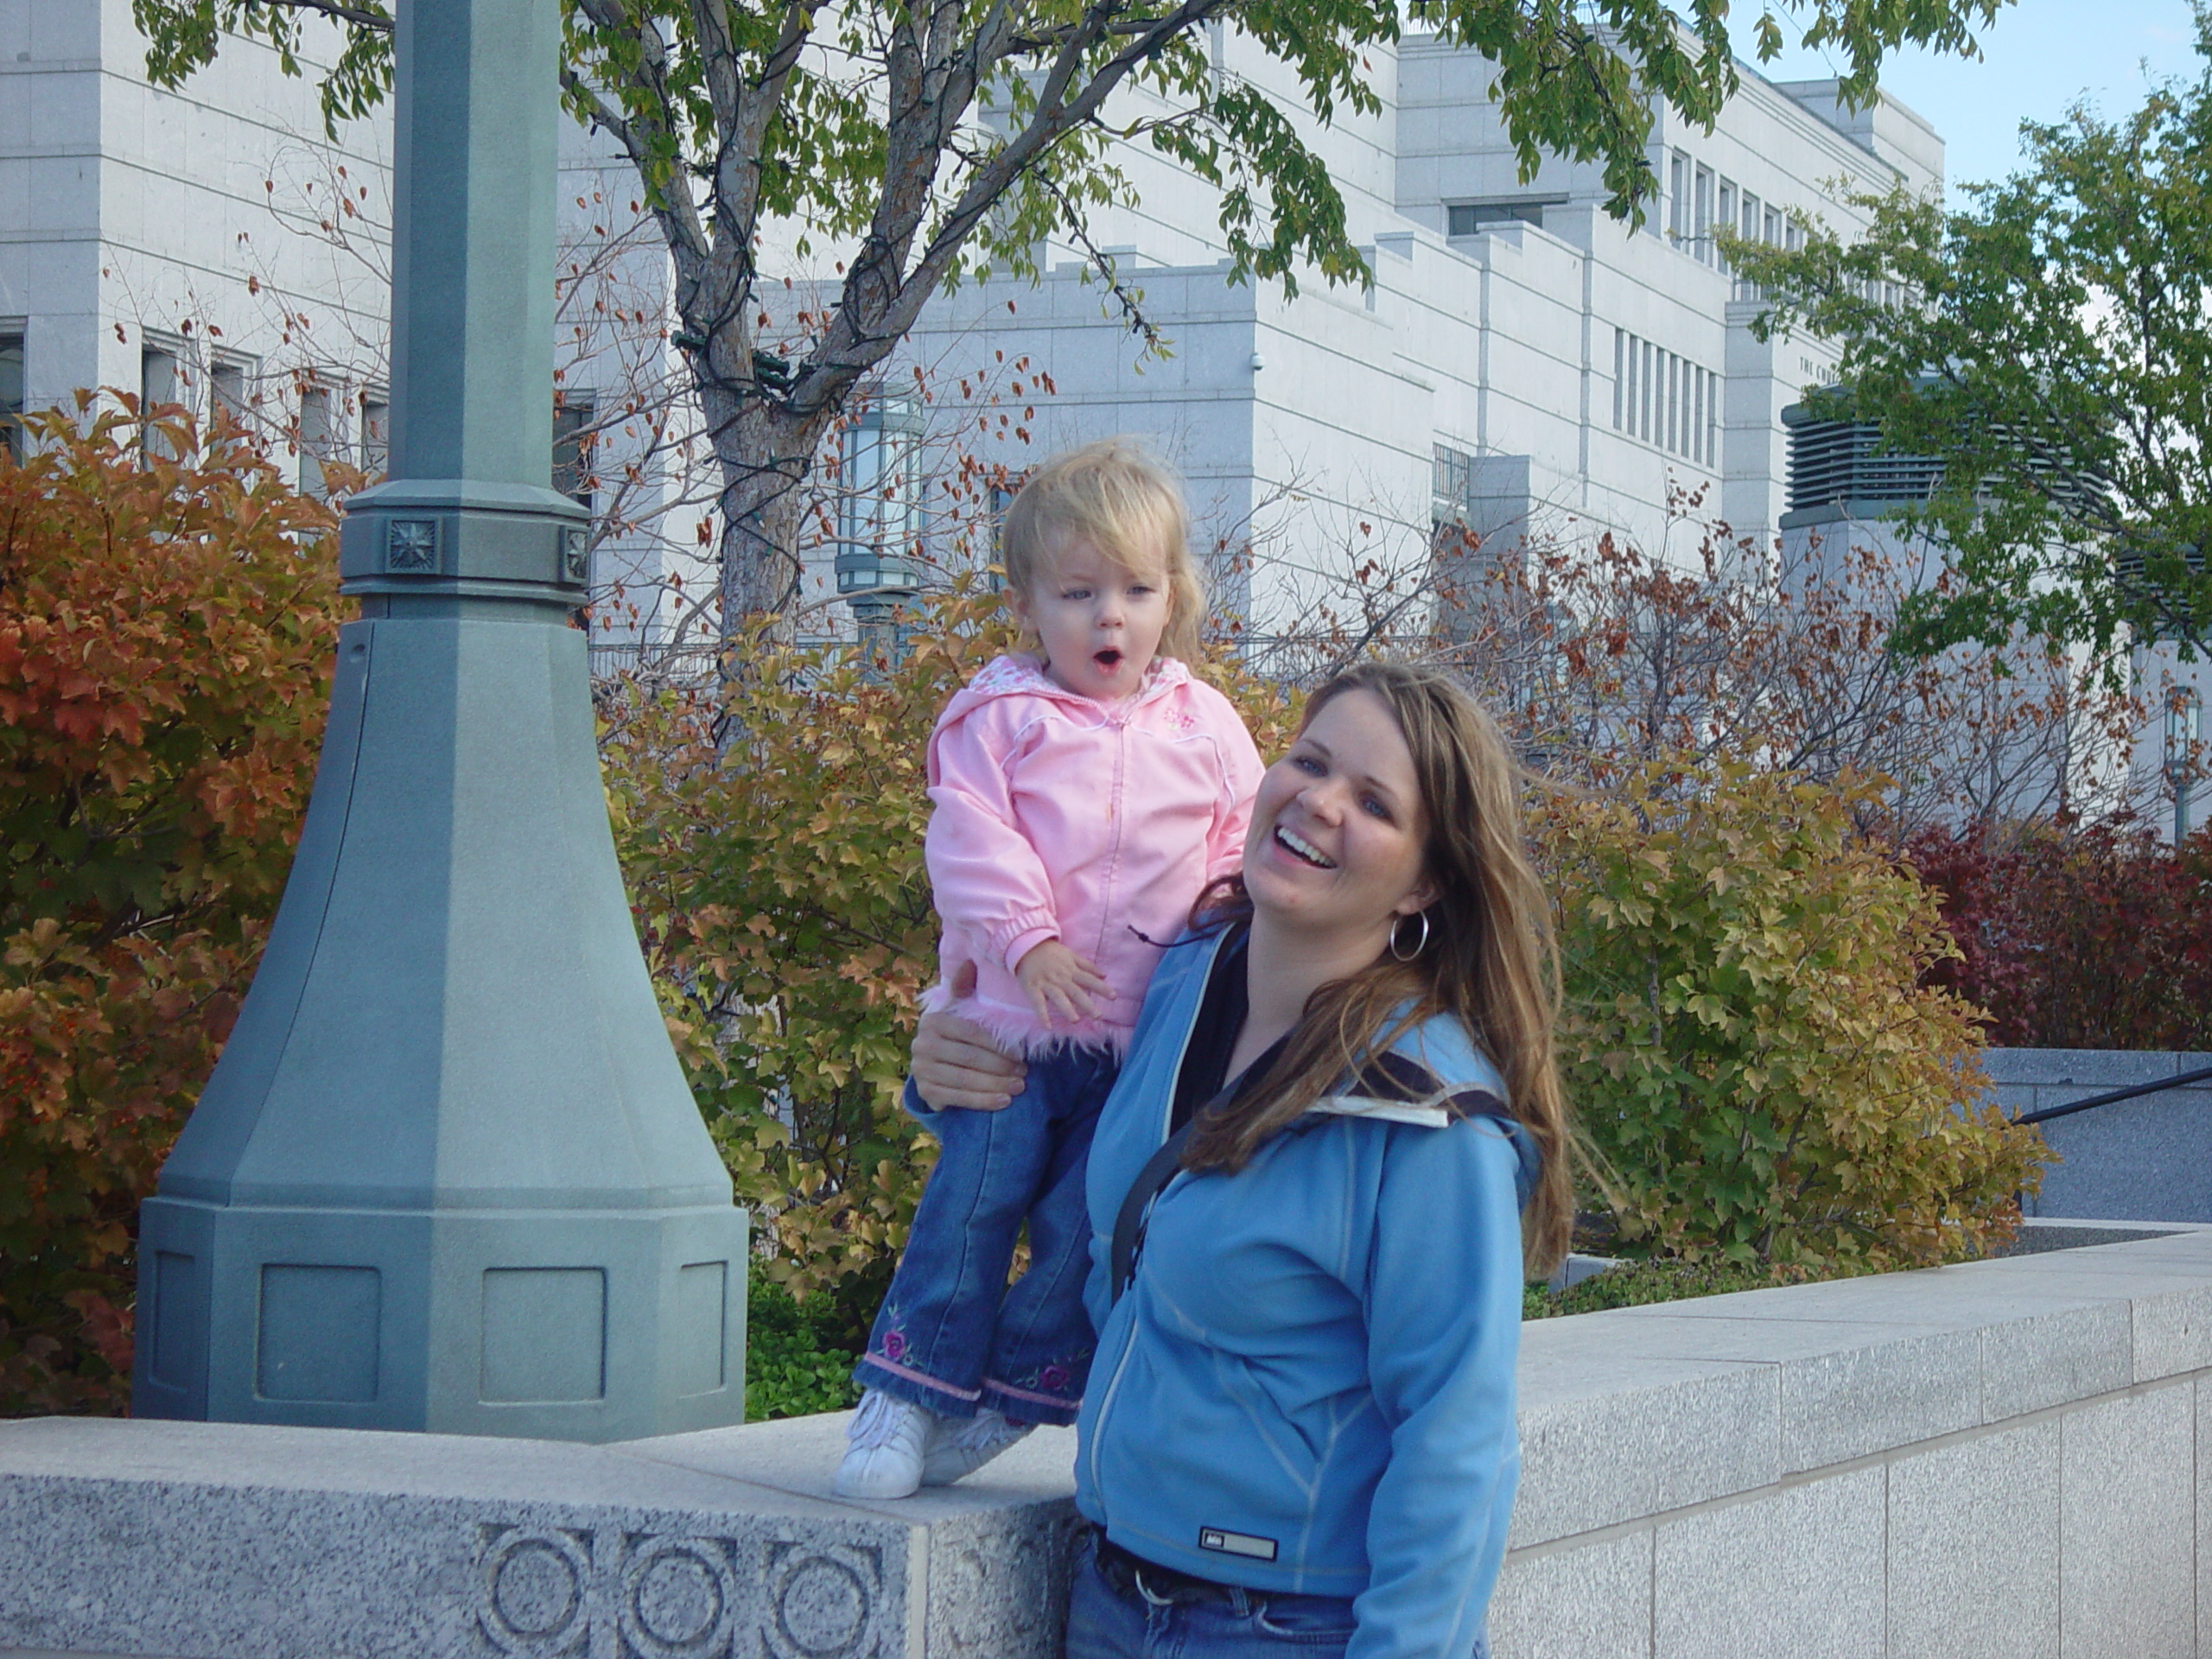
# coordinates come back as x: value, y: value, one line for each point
x: 951, y: 1335
x: 1104, y: 1624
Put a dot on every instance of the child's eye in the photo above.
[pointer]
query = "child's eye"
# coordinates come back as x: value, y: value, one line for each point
x: 1077, y: 593
x: 1306, y: 762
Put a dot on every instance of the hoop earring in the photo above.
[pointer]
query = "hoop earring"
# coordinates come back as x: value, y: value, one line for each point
x: 1407, y: 956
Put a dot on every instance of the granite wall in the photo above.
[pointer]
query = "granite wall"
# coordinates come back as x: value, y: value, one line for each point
x: 2008, y: 1459
x: 2149, y: 1158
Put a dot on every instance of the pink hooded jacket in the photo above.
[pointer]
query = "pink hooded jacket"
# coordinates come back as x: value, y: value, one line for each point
x: 1093, y: 824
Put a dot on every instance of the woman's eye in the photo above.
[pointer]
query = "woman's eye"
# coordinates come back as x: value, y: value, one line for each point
x: 1374, y: 809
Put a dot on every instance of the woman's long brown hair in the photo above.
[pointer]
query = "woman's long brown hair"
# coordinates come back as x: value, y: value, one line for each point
x: 1489, y: 959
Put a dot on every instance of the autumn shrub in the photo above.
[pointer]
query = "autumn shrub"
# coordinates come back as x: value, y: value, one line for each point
x: 2075, y: 935
x: 167, y: 614
x: 1760, y: 1074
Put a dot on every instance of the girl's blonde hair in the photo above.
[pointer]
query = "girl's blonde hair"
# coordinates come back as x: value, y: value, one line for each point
x: 1488, y: 958
x: 1127, y: 503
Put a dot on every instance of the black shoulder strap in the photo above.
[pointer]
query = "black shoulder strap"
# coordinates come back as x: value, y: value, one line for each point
x: 1129, y: 1225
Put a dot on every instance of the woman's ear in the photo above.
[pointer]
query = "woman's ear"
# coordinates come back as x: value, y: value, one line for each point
x: 1423, y: 896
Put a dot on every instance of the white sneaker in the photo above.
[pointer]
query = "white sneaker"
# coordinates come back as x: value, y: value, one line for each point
x: 888, y: 1436
x: 954, y: 1452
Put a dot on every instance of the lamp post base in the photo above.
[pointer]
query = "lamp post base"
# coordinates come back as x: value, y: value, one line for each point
x: 573, y: 1326
x: 448, y: 1175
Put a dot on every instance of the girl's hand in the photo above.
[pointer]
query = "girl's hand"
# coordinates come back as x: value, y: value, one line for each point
x: 1062, y: 986
x: 957, y: 1064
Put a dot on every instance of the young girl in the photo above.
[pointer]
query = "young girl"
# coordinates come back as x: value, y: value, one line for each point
x: 1084, y: 797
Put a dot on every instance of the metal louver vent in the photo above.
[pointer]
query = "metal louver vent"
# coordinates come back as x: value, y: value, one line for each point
x: 1833, y: 461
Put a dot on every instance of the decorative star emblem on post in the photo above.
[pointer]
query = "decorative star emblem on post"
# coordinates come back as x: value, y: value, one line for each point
x: 411, y: 544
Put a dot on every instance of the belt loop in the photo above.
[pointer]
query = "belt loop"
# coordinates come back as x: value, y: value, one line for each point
x: 1136, y: 1577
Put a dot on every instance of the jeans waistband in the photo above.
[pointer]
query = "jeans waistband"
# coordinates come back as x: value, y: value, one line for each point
x: 1134, y: 1577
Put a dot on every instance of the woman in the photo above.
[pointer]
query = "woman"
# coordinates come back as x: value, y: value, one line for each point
x: 1341, y: 1121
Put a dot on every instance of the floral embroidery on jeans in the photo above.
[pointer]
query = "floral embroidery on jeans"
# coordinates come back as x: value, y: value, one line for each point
x: 1056, y: 1376
x: 893, y: 1345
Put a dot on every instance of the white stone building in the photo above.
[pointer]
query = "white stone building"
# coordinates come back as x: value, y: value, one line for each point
x: 213, y: 247
x: 1523, y: 363
x: 174, y: 244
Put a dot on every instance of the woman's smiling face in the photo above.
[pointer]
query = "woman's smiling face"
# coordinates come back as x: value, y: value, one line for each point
x: 1338, y: 828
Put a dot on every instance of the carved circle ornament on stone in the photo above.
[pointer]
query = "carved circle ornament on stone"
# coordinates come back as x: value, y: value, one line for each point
x: 535, y: 1592
x: 680, y: 1597
x: 823, y: 1601
x: 608, y: 1593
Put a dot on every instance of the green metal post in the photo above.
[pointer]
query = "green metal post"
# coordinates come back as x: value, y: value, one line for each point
x: 448, y: 1175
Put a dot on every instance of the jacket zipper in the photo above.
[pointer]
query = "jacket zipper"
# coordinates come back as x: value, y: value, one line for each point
x: 1166, y: 1117
x: 1117, y: 818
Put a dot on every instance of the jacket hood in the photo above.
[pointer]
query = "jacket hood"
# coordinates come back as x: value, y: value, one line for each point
x: 1017, y: 674
x: 1432, y: 1076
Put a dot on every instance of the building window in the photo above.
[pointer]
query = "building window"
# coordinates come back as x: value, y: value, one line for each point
x: 1472, y: 218
x: 1664, y: 398
x: 376, y: 431
x: 161, y: 382
x: 230, y: 381
x: 1650, y: 402
x: 11, y: 392
x: 317, y: 438
x: 158, y: 381
x: 1620, y: 374
x: 1000, y: 499
x: 575, y: 443
x: 1452, y: 484
x: 1678, y: 197
x: 1701, y: 214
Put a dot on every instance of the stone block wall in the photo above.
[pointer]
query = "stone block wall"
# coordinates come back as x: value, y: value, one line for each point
x: 2008, y: 1459
x: 2149, y: 1158
x: 1998, y: 1459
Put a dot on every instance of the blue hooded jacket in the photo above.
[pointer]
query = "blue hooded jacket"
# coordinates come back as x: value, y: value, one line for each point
x: 1308, y: 1385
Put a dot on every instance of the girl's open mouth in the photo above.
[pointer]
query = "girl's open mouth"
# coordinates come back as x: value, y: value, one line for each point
x: 1109, y: 660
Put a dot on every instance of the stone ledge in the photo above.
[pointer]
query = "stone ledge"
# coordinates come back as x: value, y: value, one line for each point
x: 219, y: 1541
x: 1727, y: 1393
x: 1708, y: 1454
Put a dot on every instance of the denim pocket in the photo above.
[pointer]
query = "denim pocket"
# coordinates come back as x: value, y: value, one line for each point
x: 1312, y: 1622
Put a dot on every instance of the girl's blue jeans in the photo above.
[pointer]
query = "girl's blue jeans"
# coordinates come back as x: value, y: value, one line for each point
x: 1104, y: 1623
x: 951, y: 1335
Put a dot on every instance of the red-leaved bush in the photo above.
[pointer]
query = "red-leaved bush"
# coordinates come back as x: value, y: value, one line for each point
x: 167, y: 614
x: 2076, y: 935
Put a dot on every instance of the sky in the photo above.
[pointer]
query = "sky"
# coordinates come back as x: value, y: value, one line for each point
x: 2038, y: 59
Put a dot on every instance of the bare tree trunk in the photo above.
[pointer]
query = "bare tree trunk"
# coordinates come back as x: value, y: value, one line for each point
x: 764, y: 451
